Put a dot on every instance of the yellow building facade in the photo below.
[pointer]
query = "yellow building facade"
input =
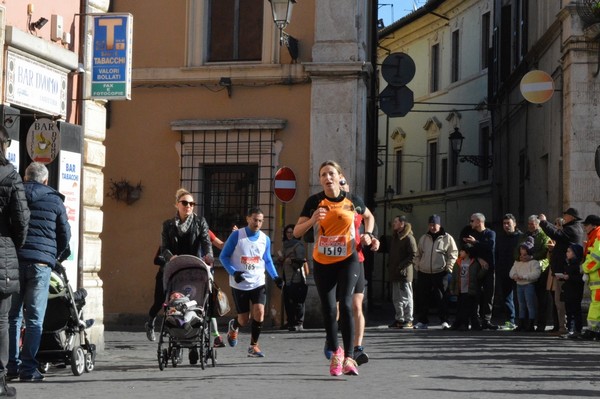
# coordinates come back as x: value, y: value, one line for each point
x: 218, y: 106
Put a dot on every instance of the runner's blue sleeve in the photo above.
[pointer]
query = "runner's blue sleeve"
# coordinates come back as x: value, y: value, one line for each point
x: 269, y: 266
x: 227, y: 251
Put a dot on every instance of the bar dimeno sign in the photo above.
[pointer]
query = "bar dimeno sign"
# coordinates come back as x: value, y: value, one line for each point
x: 111, y: 59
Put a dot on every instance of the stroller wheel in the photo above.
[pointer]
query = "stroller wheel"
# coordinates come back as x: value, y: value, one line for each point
x: 90, y: 357
x: 176, y: 356
x: 161, y: 364
x: 163, y: 358
x: 77, y: 361
x: 89, y: 363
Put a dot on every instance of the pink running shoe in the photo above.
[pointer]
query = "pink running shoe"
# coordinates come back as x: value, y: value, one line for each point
x: 350, y: 367
x: 335, y: 368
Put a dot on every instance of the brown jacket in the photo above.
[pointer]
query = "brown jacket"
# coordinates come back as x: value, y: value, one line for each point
x: 402, y: 250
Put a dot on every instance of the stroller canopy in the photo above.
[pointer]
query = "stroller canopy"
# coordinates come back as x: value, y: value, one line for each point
x: 188, y: 275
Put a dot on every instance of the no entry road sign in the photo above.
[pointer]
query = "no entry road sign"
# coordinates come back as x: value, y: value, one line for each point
x: 537, y: 87
x: 285, y: 184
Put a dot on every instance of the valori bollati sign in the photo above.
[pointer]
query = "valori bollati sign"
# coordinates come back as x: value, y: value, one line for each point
x: 111, y: 58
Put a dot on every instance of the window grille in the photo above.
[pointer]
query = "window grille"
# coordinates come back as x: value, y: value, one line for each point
x: 229, y: 171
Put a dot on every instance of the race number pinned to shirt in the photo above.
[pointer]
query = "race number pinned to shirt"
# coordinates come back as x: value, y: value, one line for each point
x: 250, y: 262
x: 333, y: 245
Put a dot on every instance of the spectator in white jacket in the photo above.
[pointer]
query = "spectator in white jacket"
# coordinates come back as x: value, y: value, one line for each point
x: 526, y: 272
x: 436, y: 254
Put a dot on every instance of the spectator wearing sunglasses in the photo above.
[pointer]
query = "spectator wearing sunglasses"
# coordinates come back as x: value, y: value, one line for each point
x: 184, y: 234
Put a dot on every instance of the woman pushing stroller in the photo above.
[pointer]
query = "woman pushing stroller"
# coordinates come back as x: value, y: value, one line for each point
x: 185, y: 234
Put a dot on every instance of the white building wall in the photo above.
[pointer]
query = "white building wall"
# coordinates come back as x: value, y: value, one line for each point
x: 416, y: 40
x: 455, y: 105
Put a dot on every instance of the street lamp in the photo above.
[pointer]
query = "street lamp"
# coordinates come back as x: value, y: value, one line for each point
x: 282, y: 13
x: 456, y: 142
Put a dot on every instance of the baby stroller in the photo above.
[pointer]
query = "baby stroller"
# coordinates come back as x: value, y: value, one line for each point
x: 186, y: 323
x: 64, y: 337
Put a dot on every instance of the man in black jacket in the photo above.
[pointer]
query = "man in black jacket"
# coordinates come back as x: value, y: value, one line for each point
x: 48, y: 237
x: 483, y: 241
x: 14, y: 221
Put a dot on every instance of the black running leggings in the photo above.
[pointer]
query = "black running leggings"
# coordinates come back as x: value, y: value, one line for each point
x: 343, y: 276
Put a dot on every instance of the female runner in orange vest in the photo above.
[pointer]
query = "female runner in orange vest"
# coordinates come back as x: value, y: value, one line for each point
x: 330, y: 214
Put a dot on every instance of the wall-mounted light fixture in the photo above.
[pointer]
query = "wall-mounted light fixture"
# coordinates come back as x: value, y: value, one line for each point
x: 456, y: 141
x: 282, y: 13
x: 39, y: 24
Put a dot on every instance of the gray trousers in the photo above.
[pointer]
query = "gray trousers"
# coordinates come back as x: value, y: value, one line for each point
x: 402, y: 296
x: 5, y: 301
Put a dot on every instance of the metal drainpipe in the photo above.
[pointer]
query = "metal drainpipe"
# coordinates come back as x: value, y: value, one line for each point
x: 385, y: 202
x: 372, y: 128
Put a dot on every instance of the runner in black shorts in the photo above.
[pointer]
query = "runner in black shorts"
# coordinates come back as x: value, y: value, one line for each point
x: 242, y: 299
x: 361, y: 284
x: 247, y: 257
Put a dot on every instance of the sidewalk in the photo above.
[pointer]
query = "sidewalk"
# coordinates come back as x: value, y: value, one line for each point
x: 404, y: 363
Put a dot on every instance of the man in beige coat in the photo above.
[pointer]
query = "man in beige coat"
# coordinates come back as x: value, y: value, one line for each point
x: 436, y: 255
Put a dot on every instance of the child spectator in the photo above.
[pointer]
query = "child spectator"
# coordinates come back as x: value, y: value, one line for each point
x: 526, y: 272
x: 467, y: 276
x: 572, y: 291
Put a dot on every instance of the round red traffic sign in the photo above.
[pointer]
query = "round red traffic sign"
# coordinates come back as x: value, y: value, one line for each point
x: 285, y: 184
x: 537, y: 87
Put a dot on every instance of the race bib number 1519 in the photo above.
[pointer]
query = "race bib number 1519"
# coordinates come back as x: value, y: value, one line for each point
x: 333, y: 245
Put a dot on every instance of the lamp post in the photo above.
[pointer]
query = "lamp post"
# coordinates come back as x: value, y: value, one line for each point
x: 282, y: 13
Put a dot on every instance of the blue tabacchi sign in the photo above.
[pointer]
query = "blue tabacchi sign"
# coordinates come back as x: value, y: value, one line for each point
x: 111, y: 58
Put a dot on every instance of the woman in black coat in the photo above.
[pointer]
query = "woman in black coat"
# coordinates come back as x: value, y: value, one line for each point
x: 14, y: 220
x: 184, y: 234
